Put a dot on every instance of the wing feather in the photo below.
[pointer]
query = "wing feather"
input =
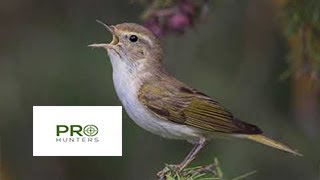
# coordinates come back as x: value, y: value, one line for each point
x: 173, y: 101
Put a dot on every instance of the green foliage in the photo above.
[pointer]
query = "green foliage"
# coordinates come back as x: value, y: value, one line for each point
x: 304, y: 13
x: 300, y: 12
x: 209, y: 172
x: 302, y: 29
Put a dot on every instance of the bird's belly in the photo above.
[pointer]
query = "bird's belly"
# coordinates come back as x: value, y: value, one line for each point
x: 127, y: 93
x: 150, y: 122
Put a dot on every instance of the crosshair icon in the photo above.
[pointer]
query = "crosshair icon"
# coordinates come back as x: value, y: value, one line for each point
x: 90, y: 130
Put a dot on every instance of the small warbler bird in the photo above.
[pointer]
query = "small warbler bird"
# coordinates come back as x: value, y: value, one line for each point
x: 163, y: 105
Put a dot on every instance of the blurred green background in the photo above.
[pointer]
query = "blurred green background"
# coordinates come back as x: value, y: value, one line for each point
x: 235, y: 55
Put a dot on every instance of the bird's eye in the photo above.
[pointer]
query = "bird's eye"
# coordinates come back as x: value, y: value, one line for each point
x: 133, y: 38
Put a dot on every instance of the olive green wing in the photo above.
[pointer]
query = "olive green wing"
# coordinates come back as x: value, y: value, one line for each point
x: 180, y: 104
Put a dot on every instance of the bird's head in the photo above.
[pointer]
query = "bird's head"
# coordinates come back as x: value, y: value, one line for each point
x: 132, y: 44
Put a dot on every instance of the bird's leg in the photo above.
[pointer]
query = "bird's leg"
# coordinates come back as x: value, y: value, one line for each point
x: 192, y: 154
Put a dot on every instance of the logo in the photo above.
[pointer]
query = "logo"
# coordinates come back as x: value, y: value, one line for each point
x: 76, y: 133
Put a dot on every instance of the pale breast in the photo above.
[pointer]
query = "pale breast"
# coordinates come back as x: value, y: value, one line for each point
x: 127, y: 87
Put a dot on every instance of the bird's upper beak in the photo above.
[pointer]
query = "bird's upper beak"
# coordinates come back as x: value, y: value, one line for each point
x: 114, y: 41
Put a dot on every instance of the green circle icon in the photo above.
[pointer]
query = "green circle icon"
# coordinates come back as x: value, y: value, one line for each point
x: 90, y: 130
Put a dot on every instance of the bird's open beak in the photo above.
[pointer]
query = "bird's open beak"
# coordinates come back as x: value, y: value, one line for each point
x: 114, y: 41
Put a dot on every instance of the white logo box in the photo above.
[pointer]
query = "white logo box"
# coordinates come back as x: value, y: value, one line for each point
x: 107, y: 142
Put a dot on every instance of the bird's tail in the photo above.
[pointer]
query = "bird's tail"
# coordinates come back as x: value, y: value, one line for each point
x: 272, y: 143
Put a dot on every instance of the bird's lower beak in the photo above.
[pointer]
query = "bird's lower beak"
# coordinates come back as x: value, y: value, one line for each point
x: 101, y: 45
x: 114, y: 41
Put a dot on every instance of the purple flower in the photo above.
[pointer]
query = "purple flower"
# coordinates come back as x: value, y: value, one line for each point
x: 179, y: 22
x: 176, y: 18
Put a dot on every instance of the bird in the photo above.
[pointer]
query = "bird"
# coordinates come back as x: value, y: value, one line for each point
x: 163, y: 105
